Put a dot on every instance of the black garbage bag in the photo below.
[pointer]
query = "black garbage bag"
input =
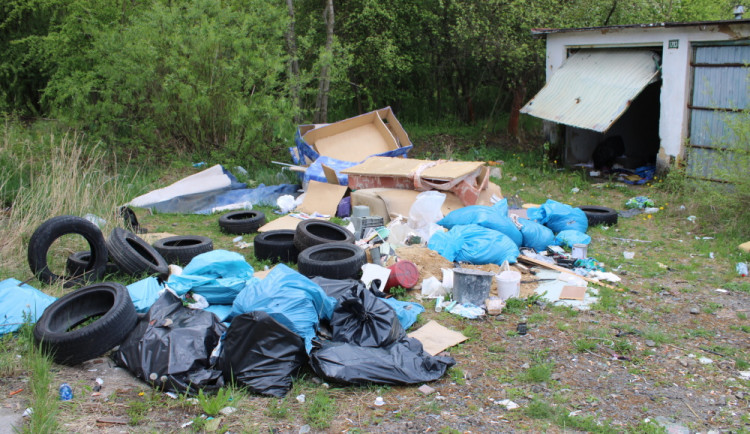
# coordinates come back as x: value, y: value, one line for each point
x: 337, y: 288
x: 262, y: 354
x: 361, y: 318
x: 170, y: 347
x: 404, y: 362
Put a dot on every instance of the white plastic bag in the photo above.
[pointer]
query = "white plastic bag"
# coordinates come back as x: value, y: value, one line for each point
x: 425, y: 212
x: 432, y: 288
x: 286, y: 203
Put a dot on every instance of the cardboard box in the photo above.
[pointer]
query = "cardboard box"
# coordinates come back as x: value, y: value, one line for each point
x: 467, y: 179
x: 354, y: 139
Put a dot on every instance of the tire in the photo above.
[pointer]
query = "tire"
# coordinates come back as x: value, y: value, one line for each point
x: 332, y: 260
x: 314, y: 232
x: 598, y: 215
x: 182, y: 249
x: 276, y: 246
x: 242, y: 222
x: 56, y: 227
x: 77, y: 262
x: 135, y: 256
x: 71, y: 347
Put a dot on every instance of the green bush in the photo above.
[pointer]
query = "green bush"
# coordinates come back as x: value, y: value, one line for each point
x: 201, y: 76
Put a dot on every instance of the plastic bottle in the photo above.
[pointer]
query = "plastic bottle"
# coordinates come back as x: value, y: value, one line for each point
x: 742, y: 269
x: 66, y: 393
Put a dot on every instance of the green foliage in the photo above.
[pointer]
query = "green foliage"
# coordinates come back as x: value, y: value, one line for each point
x: 201, y: 74
x: 321, y: 410
x: 212, y: 404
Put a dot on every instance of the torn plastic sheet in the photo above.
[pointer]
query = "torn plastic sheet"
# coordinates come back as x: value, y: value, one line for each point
x: 20, y: 303
x: 144, y: 293
x: 170, y: 348
x: 365, y: 320
x: 407, y: 311
x: 402, y: 363
x: 261, y: 354
x: 290, y: 298
x: 218, y: 275
x: 553, y: 284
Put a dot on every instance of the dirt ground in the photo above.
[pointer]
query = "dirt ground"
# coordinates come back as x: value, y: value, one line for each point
x: 677, y: 371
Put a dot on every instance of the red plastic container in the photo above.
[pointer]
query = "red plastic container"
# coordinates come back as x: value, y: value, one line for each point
x: 403, y: 274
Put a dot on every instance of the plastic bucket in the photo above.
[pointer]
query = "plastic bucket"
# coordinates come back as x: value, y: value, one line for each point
x: 471, y: 286
x: 508, y: 284
x: 403, y: 274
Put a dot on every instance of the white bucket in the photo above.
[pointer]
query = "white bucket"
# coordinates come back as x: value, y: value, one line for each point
x: 508, y: 284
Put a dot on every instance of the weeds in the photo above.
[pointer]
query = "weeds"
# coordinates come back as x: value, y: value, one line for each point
x: 212, y: 404
x: 44, y: 401
x: 321, y: 410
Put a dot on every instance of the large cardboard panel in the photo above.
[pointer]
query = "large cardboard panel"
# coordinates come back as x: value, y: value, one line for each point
x: 386, y: 114
x: 399, y: 202
x: 285, y: 222
x: 451, y: 170
x: 353, y: 139
x: 322, y: 197
x: 436, y: 338
x: 406, y: 167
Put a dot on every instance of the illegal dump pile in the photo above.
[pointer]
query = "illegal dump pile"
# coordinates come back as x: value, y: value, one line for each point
x: 441, y: 228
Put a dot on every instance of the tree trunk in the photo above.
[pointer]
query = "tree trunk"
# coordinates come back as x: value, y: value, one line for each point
x: 321, y: 105
x: 291, y: 43
x: 519, y: 95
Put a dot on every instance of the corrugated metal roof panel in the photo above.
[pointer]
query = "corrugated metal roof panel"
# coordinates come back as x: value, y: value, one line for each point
x: 593, y: 88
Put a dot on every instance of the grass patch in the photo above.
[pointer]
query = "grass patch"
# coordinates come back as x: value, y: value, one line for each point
x: 457, y: 375
x: 321, y: 410
x: 44, y: 397
x: 584, y: 345
x: 212, y: 404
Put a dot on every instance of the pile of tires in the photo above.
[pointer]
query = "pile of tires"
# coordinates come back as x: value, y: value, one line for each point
x: 181, y: 249
x: 49, y: 231
x: 327, y: 250
x: 599, y: 215
x: 276, y: 246
x: 86, y: 323
x: 242, y: 222
x: 134, y: 256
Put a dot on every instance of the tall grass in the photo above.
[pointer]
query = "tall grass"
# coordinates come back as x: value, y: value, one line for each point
x: 52, y: 175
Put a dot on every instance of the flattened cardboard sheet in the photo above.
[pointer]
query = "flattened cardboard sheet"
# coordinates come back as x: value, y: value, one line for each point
x: 573, y: 292
x: 405, y: 167
x: 436, y: 338
x: 452, y: 170
x: 322, y: 197
x: 285, y: 222
x: 399, y: 202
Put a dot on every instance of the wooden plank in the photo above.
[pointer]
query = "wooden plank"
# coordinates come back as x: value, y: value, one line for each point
x: 565, y: 270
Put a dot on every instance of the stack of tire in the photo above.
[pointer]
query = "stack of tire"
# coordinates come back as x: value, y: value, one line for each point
x: 327, y: 250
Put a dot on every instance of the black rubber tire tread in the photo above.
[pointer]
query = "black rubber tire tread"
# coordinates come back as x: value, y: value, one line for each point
x: 77, y: 262
x: 118, y: 317
x: 242, y: 222
x: 276, y: 246
x: 56, y: 227
x: 181, y: 249
x: 598, y: 215
x: 135, y: 256
x: 332, y: 261
x: 314, y: 232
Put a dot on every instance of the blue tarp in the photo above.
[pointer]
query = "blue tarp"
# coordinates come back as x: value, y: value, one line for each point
x: 144, y: 293
x: 260, y: 195
x: 569, y: 237
x: 218, y: 275
x: 290, y: 298
x: 20, y: 303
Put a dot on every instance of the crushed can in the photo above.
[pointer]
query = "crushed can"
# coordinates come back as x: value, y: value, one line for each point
x: 66, y: 393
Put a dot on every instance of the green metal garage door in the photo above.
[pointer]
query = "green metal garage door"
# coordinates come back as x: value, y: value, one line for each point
x: 719, y: 121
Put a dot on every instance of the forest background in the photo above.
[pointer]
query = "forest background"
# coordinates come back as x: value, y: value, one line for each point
x: 230, y: 80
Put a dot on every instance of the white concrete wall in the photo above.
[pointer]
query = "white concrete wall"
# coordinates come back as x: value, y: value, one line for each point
x: 675, y: 93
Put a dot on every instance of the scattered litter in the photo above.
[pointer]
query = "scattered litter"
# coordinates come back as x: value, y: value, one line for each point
x: 95, y: 219
x: 651, y: 210
x: 425, y: 389
x: 741, y: 269
x: 468, y: 310
x: 436, y: 338
x: 66, y: 393
x: 171, y: 395
x: 439, y: 304
x: 432, y: 288
x: 691, y: 218
x: 301, y: 398
x: 711, y: 255
x: 15, y: 392
x: 745, y: 375
x: 199, y: 164
x: 522, y: 328
x: 495, y: 306
x: 628, y: 255
x: 639, y: 202
x: 304, y: 429
x: 29, y: 411
x: 186, y: 424
x: 705, y: 361
x: 721, y: 290
x: 379, y: 401
x: 575, y: 190
x: 508, y: 404
x: 226, y: 411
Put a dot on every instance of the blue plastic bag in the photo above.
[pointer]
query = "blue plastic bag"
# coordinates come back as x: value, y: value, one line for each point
x: 218, y: 275
x: 474, y: 244
x: 290, y: 298
x: 535, y: 235
x: 19, y: 304
x: 570, y: 237
x: 407, y: 311
x: 491, y: 217
x: 144, y: 293
x: 559, y: 216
